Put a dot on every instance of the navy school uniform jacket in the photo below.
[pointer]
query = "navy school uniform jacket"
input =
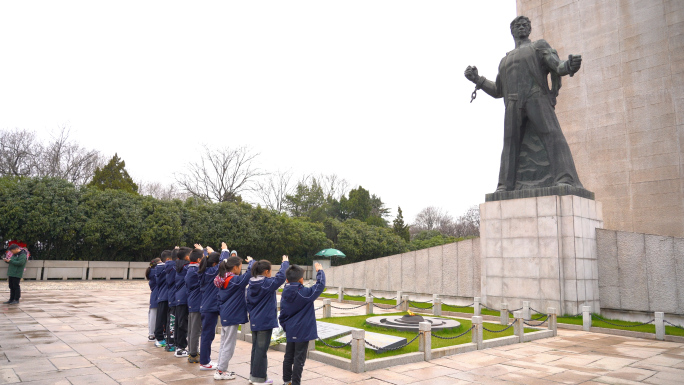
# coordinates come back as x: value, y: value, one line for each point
x: 192, y: 285
x: 261, y: 300
x: 297, y: 315
x: 154, y: 291
x: 232, y: 304
x: 162, y: 289
x: 170, y: 272
x: 181, y: 288
x: 209, y: 290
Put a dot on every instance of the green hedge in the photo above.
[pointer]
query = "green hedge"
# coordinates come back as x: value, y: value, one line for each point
x: 63, y: 222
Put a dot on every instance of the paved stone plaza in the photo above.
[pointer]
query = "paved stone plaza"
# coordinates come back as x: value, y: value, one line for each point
x: 96, y: 333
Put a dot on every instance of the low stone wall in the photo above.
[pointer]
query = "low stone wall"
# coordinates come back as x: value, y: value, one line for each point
x: 451, y: 270
x: 640, y: 272
x: 89, y: 270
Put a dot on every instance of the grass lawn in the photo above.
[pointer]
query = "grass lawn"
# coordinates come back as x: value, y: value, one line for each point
x: 359, y: 322
x: 650, y: 328
x: 417, y: 305
x: 669, y: 330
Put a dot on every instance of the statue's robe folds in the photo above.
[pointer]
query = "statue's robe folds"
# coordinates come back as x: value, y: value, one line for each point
x: 535, y: 152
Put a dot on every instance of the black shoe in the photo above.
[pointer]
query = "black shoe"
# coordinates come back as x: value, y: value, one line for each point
x: 13, y: 303
x: 7, y: 302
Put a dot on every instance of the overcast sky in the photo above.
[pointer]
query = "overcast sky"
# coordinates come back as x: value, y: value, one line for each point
x: 370, y: 90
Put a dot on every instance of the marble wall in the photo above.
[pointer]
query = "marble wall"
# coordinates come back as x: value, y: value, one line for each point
x: 449, y: 270
x: 640, y: 272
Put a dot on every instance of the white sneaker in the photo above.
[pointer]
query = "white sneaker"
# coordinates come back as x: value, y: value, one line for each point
x: 224, y: 375
x: 181, y: 353
x: 268, y: 382
x: 209, y: 366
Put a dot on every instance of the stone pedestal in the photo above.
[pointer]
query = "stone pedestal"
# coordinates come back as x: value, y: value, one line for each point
x: 541, y: 250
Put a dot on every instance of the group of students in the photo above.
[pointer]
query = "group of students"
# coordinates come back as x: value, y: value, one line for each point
x: 193, y: 288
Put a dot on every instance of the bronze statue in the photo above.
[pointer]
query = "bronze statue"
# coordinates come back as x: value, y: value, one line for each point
x: 535, y: 152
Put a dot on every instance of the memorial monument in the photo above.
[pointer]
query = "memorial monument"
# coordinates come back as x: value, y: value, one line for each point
x: 538, y: 227
x: 535, y: 153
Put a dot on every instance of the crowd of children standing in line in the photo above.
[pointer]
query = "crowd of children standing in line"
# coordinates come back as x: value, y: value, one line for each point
x: 193, y: 288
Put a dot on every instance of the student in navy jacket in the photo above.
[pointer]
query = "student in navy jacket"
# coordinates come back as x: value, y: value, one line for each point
x: 181, y: 302
x: 152, y: 313
x: 209, y: 307
x: 170, y: 272
x: 160, y: 326
x: 298, y: 320
x: 263, y: 315
x: 233, y: 309
x: 194, y: 303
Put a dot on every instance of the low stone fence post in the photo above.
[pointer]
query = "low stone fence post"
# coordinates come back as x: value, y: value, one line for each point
x: 368, y: 293
x: 660, y: 325
x: 526, y: 314
x: 369, y: 304
x: 340, y: 296
x: 477, y: 332
x: 358, y: 351
x: 400, y: 294
x: 404, y: 303
x: 553, y: 321
x: 519, y: 326
x: 327, y: 308
x: 504, y: 314
x: 425, y: 339
x: 476, y: 306
x: 437, y: 308
x: 586, y: 318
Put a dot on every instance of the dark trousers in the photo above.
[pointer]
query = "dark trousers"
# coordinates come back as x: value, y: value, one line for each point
x: 171, y: 329
x: 162, y: 316
x: 182, y: 326
x: 261, y: 340
x: 15, y: 289
x: 293, y: 364
x: 209, y: 321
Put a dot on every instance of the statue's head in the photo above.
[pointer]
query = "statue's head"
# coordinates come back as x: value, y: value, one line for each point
x: 521, y: 27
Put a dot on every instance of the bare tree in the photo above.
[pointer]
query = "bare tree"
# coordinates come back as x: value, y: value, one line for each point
x: 160, y: 191
x: 432, y: 218
x: 220, y: 176
x: 468, y: 224
x: 273, y: 190
x: 65, y: 159
x: 18, y: 152
x: 333, y: 186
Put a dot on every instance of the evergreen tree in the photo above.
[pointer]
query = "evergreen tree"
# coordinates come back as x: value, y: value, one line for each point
x: 114, y: 176
x: 399, y: 227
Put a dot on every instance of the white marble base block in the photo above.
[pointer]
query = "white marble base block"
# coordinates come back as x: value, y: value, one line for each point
x: 541, y: 250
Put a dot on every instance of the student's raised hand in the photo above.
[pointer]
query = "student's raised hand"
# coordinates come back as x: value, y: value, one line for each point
x: 209, y: 250
x: 224, y: 246
x: 286, y: 258
x: 198, y: 246
x: 318, y: 266
x: 249, y: 259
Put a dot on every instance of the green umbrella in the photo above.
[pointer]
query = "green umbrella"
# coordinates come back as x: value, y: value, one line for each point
x: 330, y: 253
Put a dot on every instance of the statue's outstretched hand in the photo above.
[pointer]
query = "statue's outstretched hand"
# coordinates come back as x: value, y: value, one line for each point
x: 471, y: 74
x: 574, y: 63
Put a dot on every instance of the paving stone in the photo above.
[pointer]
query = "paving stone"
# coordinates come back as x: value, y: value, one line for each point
x: 113, y: 354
